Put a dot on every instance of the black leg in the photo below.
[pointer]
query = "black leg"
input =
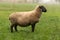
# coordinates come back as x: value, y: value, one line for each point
x: 15, y: 28
x: 33, y: 27
x: 12, y: 27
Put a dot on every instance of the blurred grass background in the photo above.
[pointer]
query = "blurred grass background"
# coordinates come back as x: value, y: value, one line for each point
x: 47, y: 29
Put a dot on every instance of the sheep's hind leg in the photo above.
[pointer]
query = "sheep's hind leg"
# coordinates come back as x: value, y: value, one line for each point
x: 33, y: 27
x: 12, y: 27
x: 15, y: 28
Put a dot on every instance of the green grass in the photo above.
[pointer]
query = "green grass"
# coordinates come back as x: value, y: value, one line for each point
x: 47, y: 29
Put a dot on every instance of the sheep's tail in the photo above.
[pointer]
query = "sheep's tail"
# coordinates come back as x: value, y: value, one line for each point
x: 9, y: 18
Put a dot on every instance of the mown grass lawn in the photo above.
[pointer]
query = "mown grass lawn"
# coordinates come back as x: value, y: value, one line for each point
x: 47, y: 29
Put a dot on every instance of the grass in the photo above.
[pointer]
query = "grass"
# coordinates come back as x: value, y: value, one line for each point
x: 47, y: 29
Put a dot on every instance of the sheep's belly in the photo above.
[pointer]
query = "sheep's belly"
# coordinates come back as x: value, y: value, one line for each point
x: 24, y: 25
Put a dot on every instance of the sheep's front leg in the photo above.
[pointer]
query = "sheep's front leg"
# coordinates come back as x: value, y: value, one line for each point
x: 12, y: 27
x: 33, y: 27
x: 15, y: 28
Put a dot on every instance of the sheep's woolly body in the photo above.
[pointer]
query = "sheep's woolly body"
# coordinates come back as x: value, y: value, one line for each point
x: 25, y: 18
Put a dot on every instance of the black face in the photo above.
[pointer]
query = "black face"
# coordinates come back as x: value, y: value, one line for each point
x: 43, y: 9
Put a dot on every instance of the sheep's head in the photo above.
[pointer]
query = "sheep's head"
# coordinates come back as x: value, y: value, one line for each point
x: 43, y: 8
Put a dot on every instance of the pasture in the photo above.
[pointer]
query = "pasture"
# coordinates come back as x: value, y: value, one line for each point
x: 48, y: 27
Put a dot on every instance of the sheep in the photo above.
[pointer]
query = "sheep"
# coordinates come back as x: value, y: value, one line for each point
x: 25, y: 19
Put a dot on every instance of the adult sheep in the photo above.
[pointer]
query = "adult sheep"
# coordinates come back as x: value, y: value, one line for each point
x: 24, y: 19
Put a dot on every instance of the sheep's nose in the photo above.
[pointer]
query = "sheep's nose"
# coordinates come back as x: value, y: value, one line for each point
x: 45, y: 10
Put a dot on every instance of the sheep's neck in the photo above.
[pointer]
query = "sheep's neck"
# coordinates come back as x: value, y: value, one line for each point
x: 38, y: 13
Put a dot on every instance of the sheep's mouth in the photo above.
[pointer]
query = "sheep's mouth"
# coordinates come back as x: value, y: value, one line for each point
x: 45, y: 11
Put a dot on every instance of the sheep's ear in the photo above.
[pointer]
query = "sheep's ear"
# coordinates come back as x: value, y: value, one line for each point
x: 40, y: 7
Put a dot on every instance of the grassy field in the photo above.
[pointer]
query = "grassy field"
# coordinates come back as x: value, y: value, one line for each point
x: 47, y: 29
